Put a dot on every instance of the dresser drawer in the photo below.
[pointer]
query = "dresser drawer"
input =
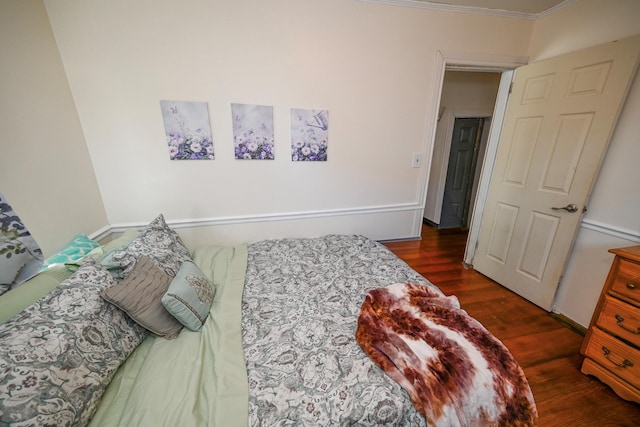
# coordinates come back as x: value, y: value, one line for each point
x: 615, y: 356
x: 627, y: 281
x: 621, y: 319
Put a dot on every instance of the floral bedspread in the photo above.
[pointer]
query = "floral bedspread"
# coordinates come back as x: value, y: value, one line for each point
x: 301, y: 303
x: 58, y: 355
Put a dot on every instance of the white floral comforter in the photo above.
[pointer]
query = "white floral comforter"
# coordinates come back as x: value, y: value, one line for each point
x: 301, y: 303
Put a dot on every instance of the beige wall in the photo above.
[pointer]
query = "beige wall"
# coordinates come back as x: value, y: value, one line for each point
x: 612, y: 219
x: 583, y: 24
x: 370, y: 65
x: 45, y: 169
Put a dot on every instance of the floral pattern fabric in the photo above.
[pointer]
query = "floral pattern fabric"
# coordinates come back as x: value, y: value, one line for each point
x: 301, y: 303
x: 20, y: 255
x: 58, y: 355
x: 158, y: 242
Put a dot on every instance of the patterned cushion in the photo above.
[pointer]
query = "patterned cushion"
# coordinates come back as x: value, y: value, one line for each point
x: 58, y: 355
x: 13, y: 257
x: 140, y: 296
x: 20, y: 255
x: 189, y: 296
x: 158, y: 242
x: 80, y: 246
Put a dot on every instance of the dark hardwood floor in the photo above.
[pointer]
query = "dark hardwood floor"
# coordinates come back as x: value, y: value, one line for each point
x: 547, y: 350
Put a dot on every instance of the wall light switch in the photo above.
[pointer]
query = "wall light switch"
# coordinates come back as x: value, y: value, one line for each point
x: 416, y: 161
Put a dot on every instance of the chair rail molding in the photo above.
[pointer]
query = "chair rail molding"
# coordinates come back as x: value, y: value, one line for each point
x: 611, y: 230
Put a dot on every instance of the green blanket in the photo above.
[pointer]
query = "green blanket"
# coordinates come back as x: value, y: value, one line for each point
x: 198, y: 379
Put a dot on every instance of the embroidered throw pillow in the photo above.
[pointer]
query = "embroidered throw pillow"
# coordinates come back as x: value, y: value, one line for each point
x: 189, y: 296
x: 140, y: 296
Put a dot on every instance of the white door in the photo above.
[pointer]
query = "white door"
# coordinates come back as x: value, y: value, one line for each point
x: 559, y: 120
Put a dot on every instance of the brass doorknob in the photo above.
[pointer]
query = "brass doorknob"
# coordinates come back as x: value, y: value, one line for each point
x: 571, y: 208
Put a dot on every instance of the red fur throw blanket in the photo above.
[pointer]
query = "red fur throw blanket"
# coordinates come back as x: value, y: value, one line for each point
x: 455, y: 371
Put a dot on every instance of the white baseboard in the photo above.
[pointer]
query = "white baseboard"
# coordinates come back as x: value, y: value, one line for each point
x: 262, y: 218
x: 102, y: 233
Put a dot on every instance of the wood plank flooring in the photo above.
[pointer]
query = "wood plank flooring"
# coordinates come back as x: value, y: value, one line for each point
x: 547, y: 350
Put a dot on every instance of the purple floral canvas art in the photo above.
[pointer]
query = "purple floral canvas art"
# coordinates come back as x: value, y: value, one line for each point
x: 187, y: 128
x: 309, y: 135
x: 252, y: 131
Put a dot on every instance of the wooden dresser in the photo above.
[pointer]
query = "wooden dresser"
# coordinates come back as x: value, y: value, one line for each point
x: 612, y: 344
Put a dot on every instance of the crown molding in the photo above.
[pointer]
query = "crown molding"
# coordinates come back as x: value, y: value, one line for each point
x: 471, y: 9
x: 555, y: 8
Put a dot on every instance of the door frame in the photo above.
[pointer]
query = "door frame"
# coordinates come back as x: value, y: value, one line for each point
x: 465, y: 61
x: 487, y: 166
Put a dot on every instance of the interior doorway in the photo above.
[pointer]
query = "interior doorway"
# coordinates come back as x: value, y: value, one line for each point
x: 466, y: 106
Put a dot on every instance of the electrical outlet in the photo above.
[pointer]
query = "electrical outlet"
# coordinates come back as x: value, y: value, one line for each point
x: 416, y: 161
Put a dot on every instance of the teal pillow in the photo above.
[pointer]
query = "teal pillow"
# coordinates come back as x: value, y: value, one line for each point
x: 80, y: 246
x: 189, y: 296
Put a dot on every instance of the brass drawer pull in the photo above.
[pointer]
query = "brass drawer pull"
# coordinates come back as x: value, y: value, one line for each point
x: 631, y: 286
x: 620, y: 319
x: 625, y: 363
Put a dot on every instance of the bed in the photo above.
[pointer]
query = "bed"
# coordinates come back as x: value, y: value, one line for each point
x: 278, y: 346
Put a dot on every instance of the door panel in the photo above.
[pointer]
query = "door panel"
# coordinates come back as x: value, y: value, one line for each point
x: 537, y: 246
x: 502, y: 232
x: 558, y: 122
x: 565, y: 155
x: 525, y: 135
x: 589, y: 80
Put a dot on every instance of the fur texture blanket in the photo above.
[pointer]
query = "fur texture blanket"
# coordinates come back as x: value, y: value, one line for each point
x: 455, y: 371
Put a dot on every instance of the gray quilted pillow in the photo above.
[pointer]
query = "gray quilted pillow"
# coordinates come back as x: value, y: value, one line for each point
x: 140, y: 296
